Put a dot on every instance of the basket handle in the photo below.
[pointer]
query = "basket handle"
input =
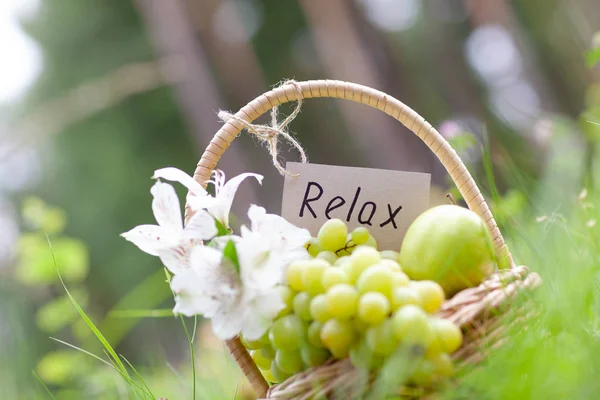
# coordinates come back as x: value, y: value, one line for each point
x: 371, y: 97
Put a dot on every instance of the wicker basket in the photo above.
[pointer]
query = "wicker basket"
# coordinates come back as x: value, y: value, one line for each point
x: 470, y: 308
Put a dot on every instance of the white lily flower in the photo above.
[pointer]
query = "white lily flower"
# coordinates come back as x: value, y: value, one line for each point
x: 213, y: 288
x: 218, y: 206
x: 277, y: 231
x: 169, y: 240
x: 270, y: 246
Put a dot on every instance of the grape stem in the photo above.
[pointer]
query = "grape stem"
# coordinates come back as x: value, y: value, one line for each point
x: 346, y: 247
x: 451, y: 198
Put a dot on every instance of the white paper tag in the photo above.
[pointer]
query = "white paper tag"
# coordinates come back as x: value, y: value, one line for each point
x: 384, y: 201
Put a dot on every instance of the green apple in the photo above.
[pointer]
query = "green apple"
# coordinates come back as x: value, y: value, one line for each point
x: 448, y: 244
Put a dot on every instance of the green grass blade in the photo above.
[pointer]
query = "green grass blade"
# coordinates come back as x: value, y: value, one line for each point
x: 133, y: 384
x: 112, y: 366
x: 83, y: 351
x: 87, y: 320
x: 193, y: 354
x: 43, y: 385
x: 148, y: 390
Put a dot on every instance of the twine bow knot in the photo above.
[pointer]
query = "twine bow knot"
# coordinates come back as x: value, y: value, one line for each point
x: 269, y: 134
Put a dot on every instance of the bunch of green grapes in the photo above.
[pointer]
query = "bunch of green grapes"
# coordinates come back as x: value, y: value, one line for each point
x: 351, y: 300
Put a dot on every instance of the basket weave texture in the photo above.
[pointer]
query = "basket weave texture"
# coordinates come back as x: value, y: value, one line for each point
x: 469, y: 309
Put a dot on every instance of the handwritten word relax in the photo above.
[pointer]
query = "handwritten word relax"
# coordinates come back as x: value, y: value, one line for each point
x: 365, y: 215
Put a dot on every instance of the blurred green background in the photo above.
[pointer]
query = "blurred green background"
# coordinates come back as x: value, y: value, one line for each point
x: 94, y: 96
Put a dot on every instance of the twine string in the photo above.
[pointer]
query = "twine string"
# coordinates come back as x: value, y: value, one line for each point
x: 269, y: 134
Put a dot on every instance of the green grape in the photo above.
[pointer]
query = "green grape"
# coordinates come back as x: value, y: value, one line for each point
x: 268, y: 375
x: 403, y: 296
x: 376, y: 279
x: 362, y: 258
x: 340, y: 352
x: 345, y: 252
x: 347, y: 249
x: 277, y: 373
x: 268, y: 351
x: 318, y: 308
x: 340, y: 261
x: 434, y: 348
x: 332, y: 234
x: 294, y: 275
x: 362, y: 356
x: 400, y: 279
x: 314, y: 247
x: 332, y: 277
x: 423, y: 374
x: 287, y: 333
x: 312, y: 275
x: 301, y: 305
x: 348, y: 269
x: 289, y: 362
x: 360, y: 235
x: 261, y: 361
x: 342, y: 301
x: 359, y: 326
x: 448, y: 334
x: 371, y: 242
x: 314, y: 334
x: 391, y: 264
x: 373, y: 308
x: 287, y: 295
x: 338, y: 336
x: 381, y: 338
x: 412, y: 326
x: 328, y: 256
x: 390, y: 255
x: 313, y: 356
x: 254, y: 344
x: 442, y: 364
x: 431, y: 294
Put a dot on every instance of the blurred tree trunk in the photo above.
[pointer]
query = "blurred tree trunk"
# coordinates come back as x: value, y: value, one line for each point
x: 173, y: 34
x: 235, y: 63
x: 345, y: 57
x: 438, y: 93
x: 236, y: 68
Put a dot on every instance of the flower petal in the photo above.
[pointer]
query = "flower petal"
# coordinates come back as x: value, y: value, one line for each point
x: 226, y: 325
x: 149, y: 238
x: 177, y: 258
x: 263, y: 307
x: 280, y: 232
x: 205, y: 287
x: 197, y: 203
x: 257, y: 215
x: 166, y: 207
x: 176, y: 175
x: 206, y: 260
x: 216, y: 277
x: 219, y: 242
x: 262, y: 266
x: 221, y: 209
x: 201, y: 226
x: 189, y: 300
